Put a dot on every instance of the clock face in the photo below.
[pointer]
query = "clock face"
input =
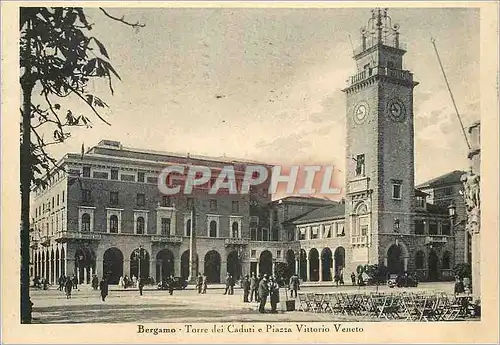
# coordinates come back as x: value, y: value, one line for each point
x: 396, y: 110
x: 361, y: 112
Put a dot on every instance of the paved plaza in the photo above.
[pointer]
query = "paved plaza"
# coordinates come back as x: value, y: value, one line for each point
x: 127, y: 306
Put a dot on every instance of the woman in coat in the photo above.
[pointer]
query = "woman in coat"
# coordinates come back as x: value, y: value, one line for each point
x: 68, y: 286
x: 103, y: 286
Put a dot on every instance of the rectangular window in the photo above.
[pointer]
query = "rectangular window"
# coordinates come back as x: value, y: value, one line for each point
x: 278, y: 254
x: 100, y: 174
x: 314, y: 233
x: 253, y: 234
x: 113, y: 198
x: 302, y: 234
x: 140, y: 176
x: 265, y: 234
x: 52, y: 202
x: 420, y: 202
x: 86, y: 171
x: 419, y: 227
x: 447, y: 191
x: 86, y: 195
x: 141, y: 199
x: 57, y: 200
x: 433, y: 228
x: 151, y: 179
x: 235, y: 207
x: 446, y: 228
x: 189, y: 203
x: 254, y: 220
x: 165, y: 226
x: 114, y: 174
x: 360, y: 165
x: 63, y: 197
x: 166, y: 201
x: 340, y: 230
x: 396, y: 191
x: 213, y: 205
x: 253, y: 253
x: 127, y: 177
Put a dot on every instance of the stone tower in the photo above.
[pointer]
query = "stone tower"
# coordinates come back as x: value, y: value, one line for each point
x: 380, y: 149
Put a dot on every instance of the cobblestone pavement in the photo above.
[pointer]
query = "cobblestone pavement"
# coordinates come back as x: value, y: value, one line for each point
x: 127, y: 306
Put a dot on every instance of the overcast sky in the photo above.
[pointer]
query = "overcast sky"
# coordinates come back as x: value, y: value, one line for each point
x: 280, y: 73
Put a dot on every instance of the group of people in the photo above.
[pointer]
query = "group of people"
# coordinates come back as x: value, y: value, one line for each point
x: 260, y: 288
x: 202, y: 283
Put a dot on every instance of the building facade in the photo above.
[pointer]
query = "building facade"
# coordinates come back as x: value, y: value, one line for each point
x: 106, y: 215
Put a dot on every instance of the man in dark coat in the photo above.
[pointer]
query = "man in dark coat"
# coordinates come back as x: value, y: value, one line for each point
x: 231, y: 285
x: 353, y: 278
x: 95, y: 282
x: 253, y: 287
x: 246, y: 288
x: 103, y: 286
x: 141, y: 285
x: 68, y: 286
x: 263, y: 293
x: 61, y: 283
x: 228, y: 284
x: 199, y: 282
x: 274, y: 294
x: 170, y: 282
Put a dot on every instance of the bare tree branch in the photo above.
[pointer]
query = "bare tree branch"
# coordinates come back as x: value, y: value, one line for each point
x: 122, y: 20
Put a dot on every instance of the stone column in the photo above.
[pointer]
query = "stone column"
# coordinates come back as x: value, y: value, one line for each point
x: 273, y: 267
x: 126, y: 268
x: 152, y: 268
x: 258, y: 268
x: 84, y: 276
x: 297, y: 263
x: 405, y: 264
x: 320, y: 269
x: 223, y: 271
x: 308, y: 272
x: 98, y: 267
x: 70, y: 266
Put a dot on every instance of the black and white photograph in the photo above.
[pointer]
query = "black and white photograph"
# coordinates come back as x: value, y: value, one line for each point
x: 246, y: 169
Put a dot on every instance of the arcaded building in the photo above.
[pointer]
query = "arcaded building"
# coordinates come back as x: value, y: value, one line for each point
x: 106, y: 215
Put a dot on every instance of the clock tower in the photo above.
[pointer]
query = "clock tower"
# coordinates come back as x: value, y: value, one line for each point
x: 380, y: 149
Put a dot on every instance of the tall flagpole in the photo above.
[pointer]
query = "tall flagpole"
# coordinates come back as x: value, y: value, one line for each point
x: 193, y: 265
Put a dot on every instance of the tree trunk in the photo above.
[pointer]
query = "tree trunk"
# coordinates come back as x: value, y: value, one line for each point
x: 27, y: 87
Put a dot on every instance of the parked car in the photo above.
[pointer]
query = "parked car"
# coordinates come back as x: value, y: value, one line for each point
x: 402, y: 280
x: 178, y: 283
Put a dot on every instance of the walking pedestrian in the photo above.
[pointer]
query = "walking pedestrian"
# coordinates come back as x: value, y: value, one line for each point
x: 199, y: 283
x: 204, y: 283
x: 95, y: 282
x: 228, y: 284
x: 263, y: 293
x: 353, y: 278
x: 170, y: 282
x: 253, y: 287
x: 103, y: 286
x: 246, y: 288
x: 294, y: 285
x: 121, y: 283
x: 274, y: 294
x: 60, y: 281
x: 75, y: 282
x: 68, y: 286
x: 341, y: 278
x: 140, y: 283
x: 231, y: 285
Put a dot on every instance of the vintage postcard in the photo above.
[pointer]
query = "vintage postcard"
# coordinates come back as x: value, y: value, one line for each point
x: 249, y: 172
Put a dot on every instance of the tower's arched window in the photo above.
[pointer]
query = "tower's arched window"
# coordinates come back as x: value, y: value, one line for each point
x: 213, y: 228
x: 140, y: 225
x: 85, y: 222
x: 113, y: 224
x: 235, y: 229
